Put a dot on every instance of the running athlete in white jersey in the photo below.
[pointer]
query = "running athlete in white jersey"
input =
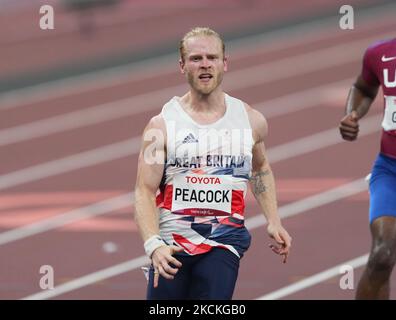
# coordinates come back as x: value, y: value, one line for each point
x: 197, y: 158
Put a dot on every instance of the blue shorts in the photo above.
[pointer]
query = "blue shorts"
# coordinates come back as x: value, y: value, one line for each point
x: 207, y: 276
x: 383, y: 188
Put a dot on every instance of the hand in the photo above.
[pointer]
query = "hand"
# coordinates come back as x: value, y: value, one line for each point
x: 349, y: 127
x: 282, y: 238
x: 161, y: 258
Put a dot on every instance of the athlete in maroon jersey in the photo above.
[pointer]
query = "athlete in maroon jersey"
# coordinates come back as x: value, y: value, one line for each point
x: 379, y: 69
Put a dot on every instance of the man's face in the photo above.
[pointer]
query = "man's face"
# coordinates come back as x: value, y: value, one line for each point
x: 204, y: 64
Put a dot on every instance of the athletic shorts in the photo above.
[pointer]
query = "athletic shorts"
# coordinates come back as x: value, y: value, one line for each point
x: 383, y: 188
x: 207, y: 276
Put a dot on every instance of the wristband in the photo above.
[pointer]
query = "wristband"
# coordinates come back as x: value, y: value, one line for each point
x: 153, y: 243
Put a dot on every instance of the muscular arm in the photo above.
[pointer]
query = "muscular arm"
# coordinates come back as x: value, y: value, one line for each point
x: 263, y: 185
x: 360, y: 98
x: 149, y: 175
x: 150, y: 170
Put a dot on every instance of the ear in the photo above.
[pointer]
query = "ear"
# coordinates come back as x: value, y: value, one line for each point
x: 225, y: 61
x: 181, y: 66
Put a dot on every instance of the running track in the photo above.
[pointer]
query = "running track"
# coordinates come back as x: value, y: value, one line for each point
x: 68, y: 166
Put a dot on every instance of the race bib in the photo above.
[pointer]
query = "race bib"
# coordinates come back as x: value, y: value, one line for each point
x: 389, y: 121
x: 202, y: 195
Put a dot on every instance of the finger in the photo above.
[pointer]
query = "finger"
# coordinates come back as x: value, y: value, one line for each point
x: 287, y: 240
x: 285, y: 246
x: 285, y: 257
x: 281, y: 252
x: 348, y: 126
x: 281, y: 249
x: 349, y: 139
x: 275, y: 249
x: 168, y: 269
x: 175, y: 262
x: 349, y: 122
x: 344, y: 128
x: 349, y: 135
x: 163, y: 273
x: 284, y: 252
x: 277, y: 237
x: 175, y: 249
x: 156, y: 278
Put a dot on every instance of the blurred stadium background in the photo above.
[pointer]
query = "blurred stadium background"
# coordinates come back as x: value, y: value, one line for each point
x: 74, y: 101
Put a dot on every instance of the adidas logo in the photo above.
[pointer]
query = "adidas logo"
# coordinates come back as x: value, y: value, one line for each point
x: 190, y: 139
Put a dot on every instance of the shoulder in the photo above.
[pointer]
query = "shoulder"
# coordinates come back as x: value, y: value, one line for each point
x: 377, y: 47
x: 257, y: 122
x: 372, y: 58
x: 156, y: 122
x: 155, y: 127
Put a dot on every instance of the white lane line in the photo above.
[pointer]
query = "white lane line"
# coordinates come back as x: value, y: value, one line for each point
x: 116, y: 75
x: 90, y: 116
x: 286, y: 151
x: 131, y: 146
x: 77, y: 161
x: 147, y: 68
x: 289, y: 210
x: 285, y: 68
x: 91, y: 278
x: 311, y: 202
x: 92, y: 210
x: 314, y: 279
x: 143, y: 103
x: 301, y: 100
x: 321, y: 140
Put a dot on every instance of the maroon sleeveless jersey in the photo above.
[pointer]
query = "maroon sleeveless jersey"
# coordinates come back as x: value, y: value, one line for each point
x: 379, y: 68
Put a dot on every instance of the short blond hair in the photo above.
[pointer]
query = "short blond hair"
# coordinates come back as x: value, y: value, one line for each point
x: 199, y: 31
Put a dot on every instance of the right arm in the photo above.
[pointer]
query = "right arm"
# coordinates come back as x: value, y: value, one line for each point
x: 360, y: 98
x: 149, y: 174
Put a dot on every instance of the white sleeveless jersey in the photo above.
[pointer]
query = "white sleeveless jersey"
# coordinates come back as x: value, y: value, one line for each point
x: 201, y: 198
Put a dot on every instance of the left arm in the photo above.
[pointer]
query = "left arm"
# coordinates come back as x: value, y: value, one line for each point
x: 263, y: 186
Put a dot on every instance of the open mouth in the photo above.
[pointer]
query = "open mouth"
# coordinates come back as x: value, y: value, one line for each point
x: 205, y: 76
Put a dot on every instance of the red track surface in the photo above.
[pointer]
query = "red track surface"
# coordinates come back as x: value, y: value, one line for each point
x: 324, y: 236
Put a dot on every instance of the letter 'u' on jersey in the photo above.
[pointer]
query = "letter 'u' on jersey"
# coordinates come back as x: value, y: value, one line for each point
x: 387, y: 82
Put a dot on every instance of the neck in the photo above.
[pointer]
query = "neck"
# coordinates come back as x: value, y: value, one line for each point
x: 197, y: 102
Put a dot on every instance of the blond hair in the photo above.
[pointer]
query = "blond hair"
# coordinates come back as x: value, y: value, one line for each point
x: 199, y: 31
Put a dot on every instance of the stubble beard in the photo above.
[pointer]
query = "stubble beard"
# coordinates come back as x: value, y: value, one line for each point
x: 205, y: 89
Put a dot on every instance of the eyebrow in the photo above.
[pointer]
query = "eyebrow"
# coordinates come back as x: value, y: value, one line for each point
x: 213, y: 55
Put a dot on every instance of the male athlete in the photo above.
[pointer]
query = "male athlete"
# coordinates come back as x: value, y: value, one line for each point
x: 379, y: 69
x: 197, y: 157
